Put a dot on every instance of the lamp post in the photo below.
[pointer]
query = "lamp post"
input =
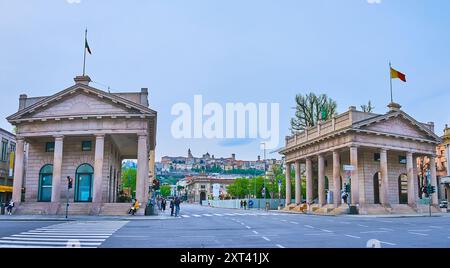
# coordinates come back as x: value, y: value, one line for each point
x: 264, y: 187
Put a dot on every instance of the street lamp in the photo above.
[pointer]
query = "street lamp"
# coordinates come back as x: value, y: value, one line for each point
x: 264, y: 187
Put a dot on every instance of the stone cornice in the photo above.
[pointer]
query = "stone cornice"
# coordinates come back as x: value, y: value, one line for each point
x: 84, y: 117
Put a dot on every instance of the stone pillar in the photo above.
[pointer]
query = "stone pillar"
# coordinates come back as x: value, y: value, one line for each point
x: 321, y: 178
x: 411, y: 181
x: 18, y: 170
x: 434, y: 197
x: 142, y: 169
x: 337, y: 178
x: 354, y: 175
x: 384, y: 195
x: 288, y: 184
x: 57, y: 169
x: 298, y: 183
x: 151, y: 164
x: 98, y: 168
x: 309, y: 181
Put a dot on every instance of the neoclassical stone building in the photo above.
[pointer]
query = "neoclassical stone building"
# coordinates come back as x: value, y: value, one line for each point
x: 382, y: 150
x: 84, y: 133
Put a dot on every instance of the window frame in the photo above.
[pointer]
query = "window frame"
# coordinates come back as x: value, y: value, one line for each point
x: 4, y: 156
x: 84, y: 148
x: 50, y: 147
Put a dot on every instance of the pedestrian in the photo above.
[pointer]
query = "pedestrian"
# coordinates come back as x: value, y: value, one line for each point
x: 132, y: 207
x: 177, y: 206
x: 344, y: 197
x: 10, y: 207
x: 158, y: 202
x: 135, y: 207
x: 172, y: 206
x: 245, y: 204
x: 163, y: 204
x: 242, y: 204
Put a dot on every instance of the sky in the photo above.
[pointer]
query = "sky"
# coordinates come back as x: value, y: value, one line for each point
x: 253, y: 51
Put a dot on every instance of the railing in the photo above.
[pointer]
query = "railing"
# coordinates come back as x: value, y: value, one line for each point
x: 252, y: 203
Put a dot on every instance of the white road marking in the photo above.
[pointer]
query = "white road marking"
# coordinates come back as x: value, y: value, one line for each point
x: 309, y: 226
x: 207, y: 215
x: 371, y: 232
x: 217, y: 214
x: 248, y: 227
x: 195, y: 215
x: 293, y: 222
x: 362, y: 225
x: 255, y: 232
x: 326, y: 231
x: 352, y: 236
x: 387, y: 229
x: 388, y: 243
x: 53, y: 239
x: 265, y: 238
x: 185, y: 216
x: 414, y: 233
x: 280, y: 246
x: 386, y: 221
x: 61, y: 236
x: 45, y: 243
x: 419, y: 230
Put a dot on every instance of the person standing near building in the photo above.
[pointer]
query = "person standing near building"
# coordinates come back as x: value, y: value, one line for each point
x: 163, y: 204
x: 172, y: 206
x: 10, y: 207
x: 245, y: 204
x: 177, y: 206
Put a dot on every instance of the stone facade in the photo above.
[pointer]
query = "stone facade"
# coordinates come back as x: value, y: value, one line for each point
x: 381, y: 150
x: 7, y: 150
x: 82, y: 133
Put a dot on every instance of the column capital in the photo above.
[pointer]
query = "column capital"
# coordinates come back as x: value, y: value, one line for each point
x: 384, y: 149
x: 99, y: 135
x: 58, y: 137
x: 20, y: 138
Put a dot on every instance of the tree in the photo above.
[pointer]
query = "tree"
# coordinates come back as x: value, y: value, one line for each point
x: 367, y: 108
x: 239, y: 189
x: 310, y: 109
x: 129, y: 178
x: 165, y: 190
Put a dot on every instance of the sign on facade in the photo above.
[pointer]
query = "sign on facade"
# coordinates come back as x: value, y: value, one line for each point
x: 216, y: 190
x: 349, y: 168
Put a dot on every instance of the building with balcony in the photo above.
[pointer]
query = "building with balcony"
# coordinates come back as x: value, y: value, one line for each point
x: 8, y: 150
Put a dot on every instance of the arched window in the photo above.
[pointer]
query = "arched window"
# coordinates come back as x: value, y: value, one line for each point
x: 83, y: 183
x: 45, y: 183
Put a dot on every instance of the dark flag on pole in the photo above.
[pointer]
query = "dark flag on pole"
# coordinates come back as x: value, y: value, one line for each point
x: 86, y: 45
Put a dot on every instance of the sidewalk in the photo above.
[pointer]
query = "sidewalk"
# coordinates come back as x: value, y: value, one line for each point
x: 80, y: 218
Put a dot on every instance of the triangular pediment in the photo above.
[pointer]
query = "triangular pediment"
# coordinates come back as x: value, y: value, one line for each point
x: 80, y: 100
x: 398, y: 124
x: 78, y: 104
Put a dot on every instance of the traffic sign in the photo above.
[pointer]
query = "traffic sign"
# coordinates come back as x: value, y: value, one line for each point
x: 279, y: 182
x: 349, y: 168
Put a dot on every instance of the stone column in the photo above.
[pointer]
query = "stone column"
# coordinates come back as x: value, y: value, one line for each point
x: 321, y: 178
x: 98, y: 168
x: 434, y: 197
x: 384, y: 196
x: 410, y: 172
x: 354, y: 175
x: 288, y: 184
x: 151, y: 163
x: 298, y: 183
x: 309, y: 181
x: 18, y: 170
x: 142, y: 169
x: 337, y: 178
x: 57, y: 169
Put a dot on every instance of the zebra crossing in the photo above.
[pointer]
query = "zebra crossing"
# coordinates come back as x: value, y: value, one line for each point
x: 230, y: 214
x: 89, y: 234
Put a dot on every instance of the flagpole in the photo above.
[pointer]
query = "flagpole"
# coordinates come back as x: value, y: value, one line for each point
x: 390, y: 79
x: 84, y: 57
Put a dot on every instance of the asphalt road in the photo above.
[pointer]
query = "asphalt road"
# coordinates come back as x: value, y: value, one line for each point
x: 205, y: 227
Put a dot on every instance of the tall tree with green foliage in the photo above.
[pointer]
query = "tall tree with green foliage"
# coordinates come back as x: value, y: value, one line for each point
x: 165, y: 190
x: 129, y: 178
x: 239, y: 189
x: 311, y: 108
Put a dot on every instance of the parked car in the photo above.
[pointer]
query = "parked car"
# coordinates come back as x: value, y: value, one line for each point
x: 443, y: 204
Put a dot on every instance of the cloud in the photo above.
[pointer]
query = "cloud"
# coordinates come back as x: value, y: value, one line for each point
x: 73, y: 1
x: 374, y: 2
